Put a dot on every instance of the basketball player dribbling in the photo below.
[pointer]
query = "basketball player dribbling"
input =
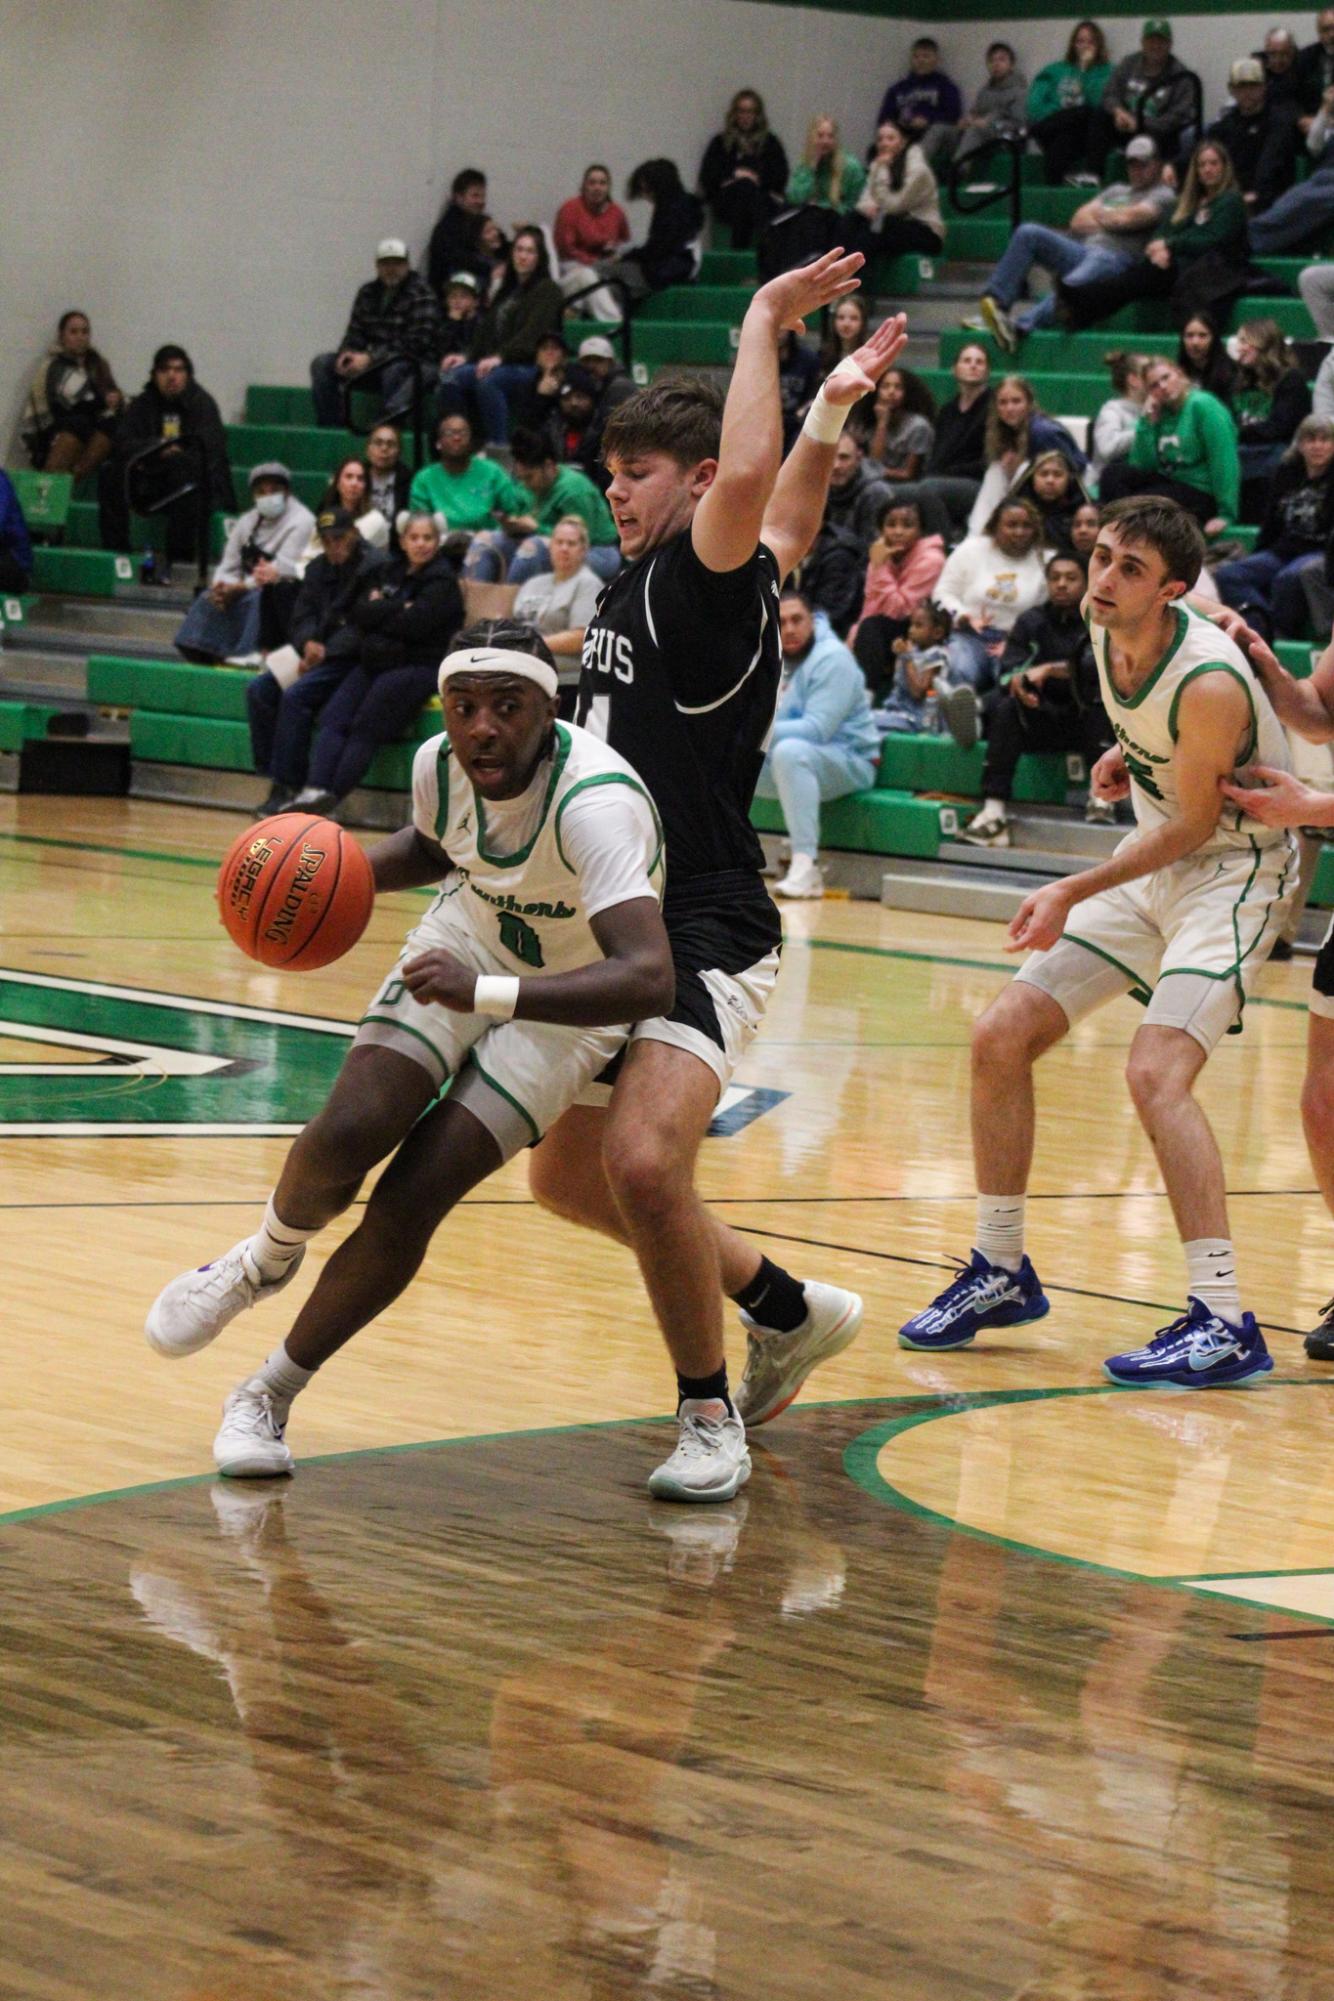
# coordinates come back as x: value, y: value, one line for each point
x: 681, y: 668
x: 1307, y: 707
x: 546, y: 940
x: 1183, y: 915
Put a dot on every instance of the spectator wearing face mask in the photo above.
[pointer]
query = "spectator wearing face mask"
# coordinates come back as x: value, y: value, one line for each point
x: 266, y: 544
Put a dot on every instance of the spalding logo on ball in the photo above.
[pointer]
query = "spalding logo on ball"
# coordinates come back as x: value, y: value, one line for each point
x: 295, y: 892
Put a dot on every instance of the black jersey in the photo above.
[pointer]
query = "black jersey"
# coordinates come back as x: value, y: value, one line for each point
x: 680, y: 674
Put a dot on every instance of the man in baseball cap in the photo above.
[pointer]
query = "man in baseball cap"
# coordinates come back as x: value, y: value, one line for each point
x: 1259, y: 130
x: 393, y: 336
x: 1148, y: 92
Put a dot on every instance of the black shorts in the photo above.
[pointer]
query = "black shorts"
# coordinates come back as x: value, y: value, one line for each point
x: 1322, y: 980
x: 726, y: 936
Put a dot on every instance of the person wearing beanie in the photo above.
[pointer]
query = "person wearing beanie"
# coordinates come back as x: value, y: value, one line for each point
x: 266, y: 544
x: 185, y: 479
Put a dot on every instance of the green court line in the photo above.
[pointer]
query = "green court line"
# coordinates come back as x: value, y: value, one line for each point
x: 109, y: 848
x: 861, y: 1457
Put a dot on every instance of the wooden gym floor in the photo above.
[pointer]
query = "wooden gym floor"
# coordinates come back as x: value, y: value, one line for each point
x: 994, y: 1683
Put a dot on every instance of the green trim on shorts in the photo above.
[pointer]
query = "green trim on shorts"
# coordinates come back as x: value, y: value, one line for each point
x: 1233, y: 972
x: 1138, y: 990
x: 508, y: 1096
x: 517, y: 859
x: 392, y: 1021
x: 610, y: 778
x: 1217, y: 667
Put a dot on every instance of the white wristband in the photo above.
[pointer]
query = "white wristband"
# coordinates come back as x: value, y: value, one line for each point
x: 496, y: 994
x: 825, y: 420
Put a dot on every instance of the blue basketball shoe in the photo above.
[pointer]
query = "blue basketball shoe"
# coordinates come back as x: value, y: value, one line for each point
x: 1200, y: 1351
x: 983, y: 1295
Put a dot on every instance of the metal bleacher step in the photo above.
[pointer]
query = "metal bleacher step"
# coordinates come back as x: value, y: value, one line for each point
x: 142, y: 626
x: 965, y: 881
x: 241, y: 791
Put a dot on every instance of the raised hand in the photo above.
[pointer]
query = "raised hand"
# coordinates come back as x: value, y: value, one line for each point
x: 860, y: 371
x: 1109, y: 780
x: 793, y: 294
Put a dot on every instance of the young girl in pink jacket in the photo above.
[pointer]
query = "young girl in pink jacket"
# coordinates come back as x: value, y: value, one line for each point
x: 901, y: 574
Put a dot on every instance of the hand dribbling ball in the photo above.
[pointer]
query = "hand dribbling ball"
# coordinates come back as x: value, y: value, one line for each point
x: 295, y: 892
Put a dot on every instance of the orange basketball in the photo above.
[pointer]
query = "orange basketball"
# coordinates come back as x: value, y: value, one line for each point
x: 295, y: 891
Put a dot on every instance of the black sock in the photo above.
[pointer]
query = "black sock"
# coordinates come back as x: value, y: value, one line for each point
x: 774, y: 1298
x: 704, y: 1389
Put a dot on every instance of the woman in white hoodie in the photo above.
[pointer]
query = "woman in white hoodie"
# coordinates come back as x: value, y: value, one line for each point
x: 266, y: 543
x: 986, y: 583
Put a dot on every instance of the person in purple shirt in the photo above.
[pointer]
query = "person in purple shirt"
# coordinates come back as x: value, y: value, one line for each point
x: 15, y: 545
x: 926, y: 103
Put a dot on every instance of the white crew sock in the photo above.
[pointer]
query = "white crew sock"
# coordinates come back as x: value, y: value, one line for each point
x: 281, y: 1376
x: 995, y: 809
x: 1211, y: 1274
x: 275, y: 1244
x: 1000, y: 1229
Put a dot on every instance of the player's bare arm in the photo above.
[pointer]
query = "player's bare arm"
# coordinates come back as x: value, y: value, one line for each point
x: 634, y: 981
x: 1304, y: 706
x: 796, y: 507
x: 408, y: 860
x: 1212, y: 721
x: 1280, y: 800
x: 725, y: 530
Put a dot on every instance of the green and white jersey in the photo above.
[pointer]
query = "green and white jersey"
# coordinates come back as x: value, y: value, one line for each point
x: 530, y: 873
x: 1146, y: 727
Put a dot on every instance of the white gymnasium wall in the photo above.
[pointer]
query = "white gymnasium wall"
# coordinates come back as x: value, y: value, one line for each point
x: 217, y: 172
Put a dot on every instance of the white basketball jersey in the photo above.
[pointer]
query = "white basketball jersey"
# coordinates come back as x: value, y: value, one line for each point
x: 528, y: 888
x: 1146, y: 727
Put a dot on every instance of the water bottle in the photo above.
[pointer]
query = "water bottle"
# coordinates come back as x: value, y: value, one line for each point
x: 148, y: 567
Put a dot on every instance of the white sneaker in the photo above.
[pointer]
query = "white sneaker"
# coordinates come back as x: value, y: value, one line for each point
x: 710, y: 1462
x: 802, y: 879
x: 194, y: 1308
x: 1099, y: 812
x: 778, y: 1364
x: 250, y: 1444
x: 987, y: 830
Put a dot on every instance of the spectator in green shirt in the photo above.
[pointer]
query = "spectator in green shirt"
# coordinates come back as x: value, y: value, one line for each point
x: 520, y: 548
x: 1185, y: 448
x: 1062, y: 99
x: 472, y: 493
x: 825, y: 176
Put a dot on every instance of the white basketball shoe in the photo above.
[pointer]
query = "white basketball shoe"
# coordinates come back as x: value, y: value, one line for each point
x: 194, y: 1308
x: 778, y: 1364
x: 250, y: 1444
x: 710, y: 1462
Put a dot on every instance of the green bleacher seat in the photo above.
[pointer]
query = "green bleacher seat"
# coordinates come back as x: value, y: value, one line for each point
x: 90, y: 572
x: 16, y: 608
x: 1052, y: 353
x: 45, y: 498
x: 877, y: 822
x: 1298, y: 656
x: 1322, y: 887
x: 912, y: 763
x: 184, y: 691
x: 302, y: 447
x: 660, y: 342
x: 697, y: 302
x: 147, y: 531
x: 898, y: 277
x: 213, y: 745
x: 24, y: 722
x: 728, y: 267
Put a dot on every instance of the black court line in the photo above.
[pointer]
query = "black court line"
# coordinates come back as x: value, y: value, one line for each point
x: 1292, y: 1633
x: 715, y: 1201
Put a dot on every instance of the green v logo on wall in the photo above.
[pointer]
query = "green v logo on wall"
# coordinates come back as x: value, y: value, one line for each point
x: 80, y: 1059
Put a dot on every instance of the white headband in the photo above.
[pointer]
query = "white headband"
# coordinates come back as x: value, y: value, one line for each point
x: 498, y: 660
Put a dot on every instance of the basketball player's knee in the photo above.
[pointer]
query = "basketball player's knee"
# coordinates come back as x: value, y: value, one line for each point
x: 1002, y: 1040
x: 1156, y: 1079
x: 645, y: 1175
x: 559, y: 1187
x: 344, y: 1143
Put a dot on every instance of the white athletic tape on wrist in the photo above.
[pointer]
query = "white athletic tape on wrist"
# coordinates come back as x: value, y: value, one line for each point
x: 825, y: 420
x: 497, y: 994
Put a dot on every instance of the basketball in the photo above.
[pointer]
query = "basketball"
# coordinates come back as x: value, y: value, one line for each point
x: 295, y: 892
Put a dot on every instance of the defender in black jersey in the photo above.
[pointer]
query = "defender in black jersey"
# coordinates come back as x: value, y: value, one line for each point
x: 1307, y: 708
x: 680, y: 674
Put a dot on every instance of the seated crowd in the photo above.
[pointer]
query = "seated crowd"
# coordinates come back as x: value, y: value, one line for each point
x: 938, y: 594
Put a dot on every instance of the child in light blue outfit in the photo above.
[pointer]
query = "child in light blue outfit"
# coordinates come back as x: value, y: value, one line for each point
x: 920, y: 675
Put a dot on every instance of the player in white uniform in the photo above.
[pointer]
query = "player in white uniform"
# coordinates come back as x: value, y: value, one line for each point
x: 1182, y: 916
x: 1308, y: 708
x: 545, y: 942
